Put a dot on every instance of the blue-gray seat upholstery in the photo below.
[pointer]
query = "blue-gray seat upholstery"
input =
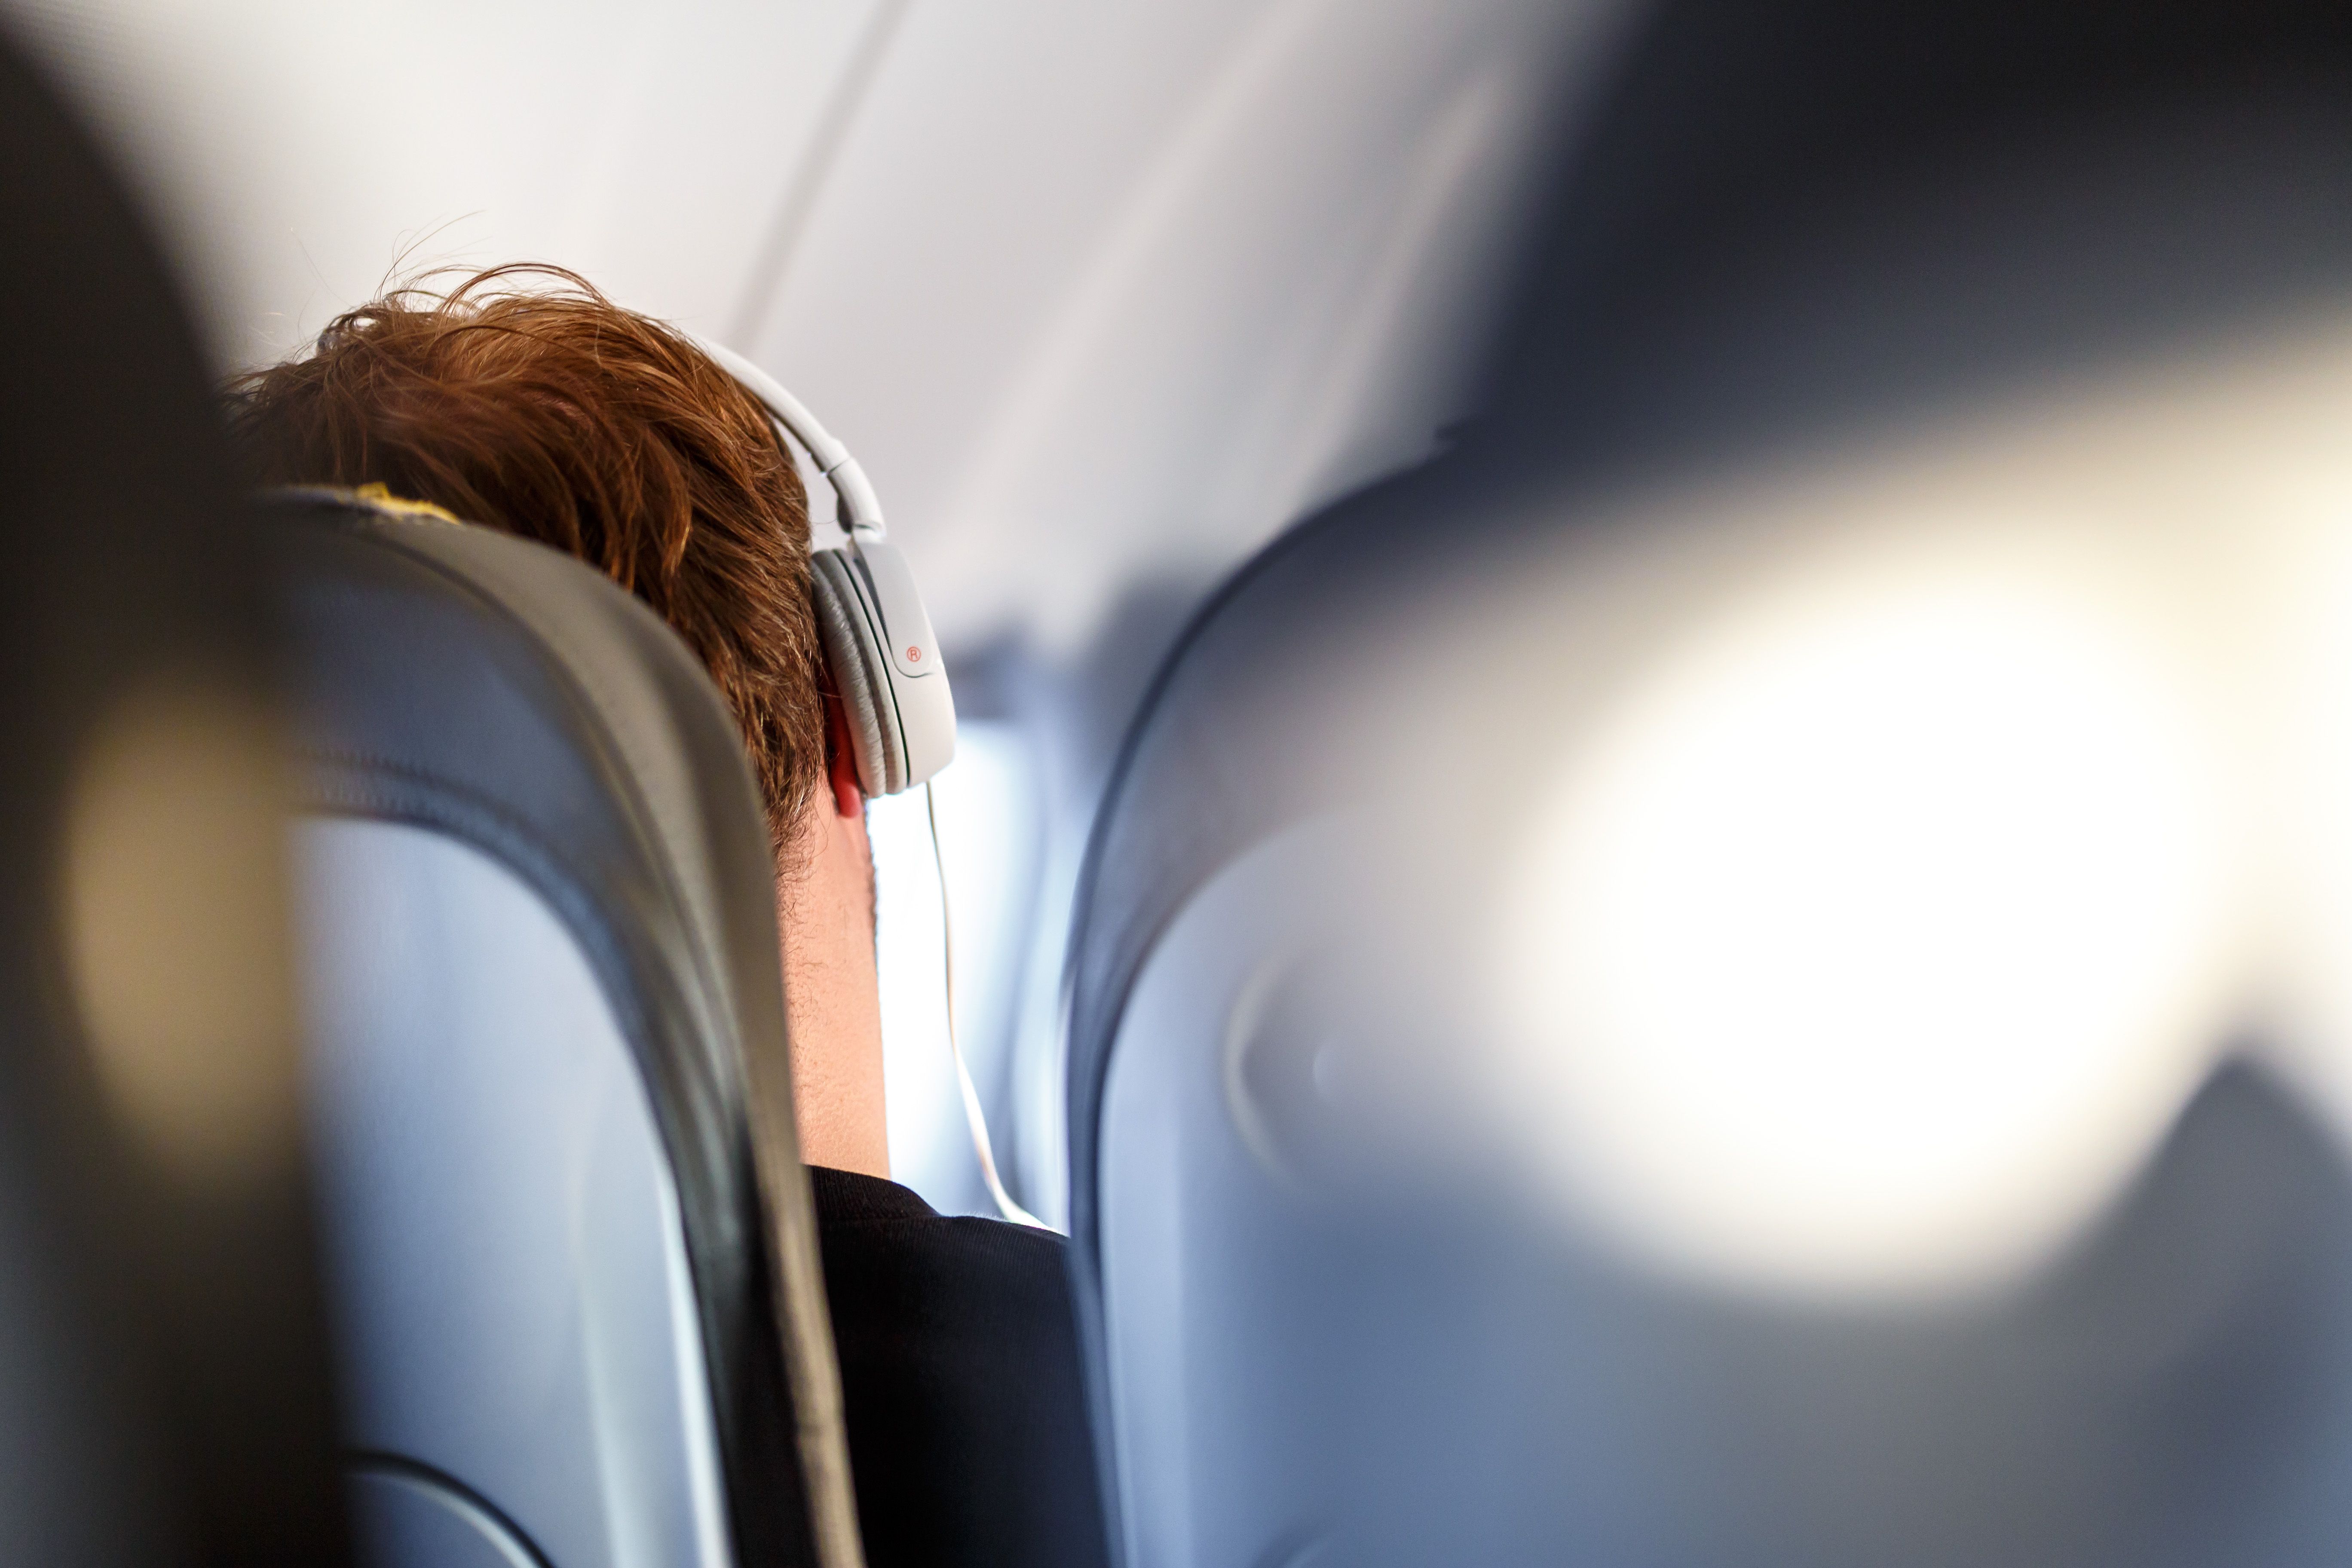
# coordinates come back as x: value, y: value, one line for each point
x: 580, y: 1313
x: 1772, y: 225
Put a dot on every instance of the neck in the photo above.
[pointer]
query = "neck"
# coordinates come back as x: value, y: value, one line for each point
x: 833, y: 1002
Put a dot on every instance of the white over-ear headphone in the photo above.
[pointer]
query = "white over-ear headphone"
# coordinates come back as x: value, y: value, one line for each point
x: 877, y: 636
x: 878, y: 639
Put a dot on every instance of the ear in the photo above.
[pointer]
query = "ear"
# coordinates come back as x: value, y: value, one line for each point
x: 841, y: 762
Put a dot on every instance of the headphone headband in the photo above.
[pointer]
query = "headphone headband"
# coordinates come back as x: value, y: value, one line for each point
x: 877, y: 635
x: 859, y: 506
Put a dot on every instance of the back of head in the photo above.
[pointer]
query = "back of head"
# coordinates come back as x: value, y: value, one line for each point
x: 523, y: 399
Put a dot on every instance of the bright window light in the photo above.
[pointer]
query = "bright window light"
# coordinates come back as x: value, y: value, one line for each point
x: 989, y: 810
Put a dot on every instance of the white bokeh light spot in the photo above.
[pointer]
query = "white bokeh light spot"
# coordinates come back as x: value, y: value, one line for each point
x: 1873, y: 937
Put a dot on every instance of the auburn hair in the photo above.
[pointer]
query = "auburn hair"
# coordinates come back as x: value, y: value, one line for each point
x: 524, y: 400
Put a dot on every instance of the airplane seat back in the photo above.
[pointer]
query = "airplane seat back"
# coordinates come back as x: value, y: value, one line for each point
x: 1248, y: 822
x: 540, y: 962
x: 166, y: 1387
x: 1773, y: 227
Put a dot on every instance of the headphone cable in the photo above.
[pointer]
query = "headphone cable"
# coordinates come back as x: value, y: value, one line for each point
x: 973, y: 1115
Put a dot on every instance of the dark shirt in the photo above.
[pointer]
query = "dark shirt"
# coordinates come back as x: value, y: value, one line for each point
x: 968, y: 1429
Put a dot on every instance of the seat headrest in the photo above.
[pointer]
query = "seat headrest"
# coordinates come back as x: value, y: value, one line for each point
x: 1820, y: 187
x: 504, y: 695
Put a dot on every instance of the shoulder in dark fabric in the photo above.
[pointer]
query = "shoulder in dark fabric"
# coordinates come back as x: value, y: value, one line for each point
x: 960, y: 1370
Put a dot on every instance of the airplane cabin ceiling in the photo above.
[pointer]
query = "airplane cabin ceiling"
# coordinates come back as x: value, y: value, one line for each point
x: 1102, y: 297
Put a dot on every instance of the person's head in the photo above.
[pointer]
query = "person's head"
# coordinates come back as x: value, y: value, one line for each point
x: 523, y: 399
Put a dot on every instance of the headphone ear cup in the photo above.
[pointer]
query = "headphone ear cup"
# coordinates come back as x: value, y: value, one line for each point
x: 856, y: 659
